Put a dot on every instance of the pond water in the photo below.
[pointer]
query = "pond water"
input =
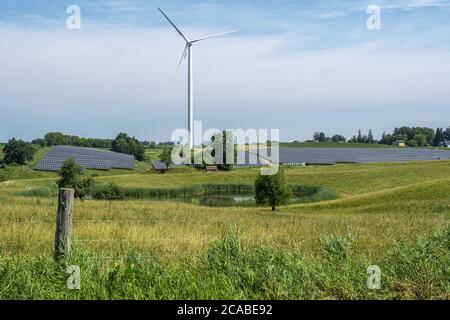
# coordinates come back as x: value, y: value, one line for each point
x: 240, y: 200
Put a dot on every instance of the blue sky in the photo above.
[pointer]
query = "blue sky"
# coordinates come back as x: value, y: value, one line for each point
x: 299, y: 66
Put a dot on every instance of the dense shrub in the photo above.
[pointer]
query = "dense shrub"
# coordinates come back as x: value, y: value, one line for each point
x: 71, y: 176
x: 110, y: 192
x: 17, y: 151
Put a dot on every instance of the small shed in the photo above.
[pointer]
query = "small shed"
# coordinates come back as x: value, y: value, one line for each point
x: 399, y: 143
x: 159, y: 166
x: 211, y: 169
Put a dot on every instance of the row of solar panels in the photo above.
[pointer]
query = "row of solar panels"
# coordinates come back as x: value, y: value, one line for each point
x: 330, y: 156
x: 159, y: 165
x: 359, y: 155
x: 86, y: 158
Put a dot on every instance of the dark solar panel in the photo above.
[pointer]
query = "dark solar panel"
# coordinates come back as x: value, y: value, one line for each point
x: 159, y: 165
x: 358, y: 155
x: 248, y: 159
x: 86, y: 157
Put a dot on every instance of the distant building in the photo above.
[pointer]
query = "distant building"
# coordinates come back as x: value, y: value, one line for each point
x: 399, y: 143
x: 211, y: 169
x: 447, y: 143
x: 159, y: 166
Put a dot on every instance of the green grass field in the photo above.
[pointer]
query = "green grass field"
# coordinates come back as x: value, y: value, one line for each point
x: 393, y: 215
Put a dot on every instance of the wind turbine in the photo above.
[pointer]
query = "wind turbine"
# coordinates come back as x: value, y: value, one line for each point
x: 188, y: 51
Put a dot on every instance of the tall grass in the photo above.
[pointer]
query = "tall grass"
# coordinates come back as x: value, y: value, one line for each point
x: 228, y: 269
x: 50, y: 190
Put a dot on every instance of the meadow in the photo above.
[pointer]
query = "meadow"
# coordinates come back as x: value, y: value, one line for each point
x: 394, y: 215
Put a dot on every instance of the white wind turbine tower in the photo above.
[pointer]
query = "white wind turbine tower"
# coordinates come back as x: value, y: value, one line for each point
x: 188, y: 51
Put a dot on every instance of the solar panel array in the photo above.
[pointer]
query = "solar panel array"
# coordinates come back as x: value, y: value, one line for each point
x: 159, y: 165
x: 358, y: 155
x: 331, y: 156
x: 248, y: 159
x: 85, y: 157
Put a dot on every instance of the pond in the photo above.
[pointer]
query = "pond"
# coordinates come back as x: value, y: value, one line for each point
x: 249, y: 200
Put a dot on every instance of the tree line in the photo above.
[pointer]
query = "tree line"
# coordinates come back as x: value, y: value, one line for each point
x: 20, y: 152
x: 411, y: 136
x: 60, y: 139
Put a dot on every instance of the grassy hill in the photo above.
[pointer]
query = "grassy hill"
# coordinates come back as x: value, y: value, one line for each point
x: 393, y: 215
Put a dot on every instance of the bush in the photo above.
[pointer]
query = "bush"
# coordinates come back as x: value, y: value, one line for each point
x: 166, y: 157
x: 109, y: 192
x: 71, y: 177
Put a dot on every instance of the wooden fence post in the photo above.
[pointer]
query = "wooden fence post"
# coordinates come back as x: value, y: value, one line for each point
x: 63, y: 236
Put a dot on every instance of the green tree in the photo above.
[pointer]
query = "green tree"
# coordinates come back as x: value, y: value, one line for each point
x: 129, y: 145
x: 360, y: 138
x: 447, y: 134
x: 439, y: 137
x: 320, y: 137
x: 41, y: 142
x: 421, y: 140
x: 69, y: 173
x: 17, y: 151
x: 338, y: 138
x: 428, y: 133
x: 383, y: 138
x: 71, y: 176
x: 370, y: 138
x: 56, y: 139
x: 272, y: 189
x: 166, y: 156
x: 412, y: 143
x: 226, y: 138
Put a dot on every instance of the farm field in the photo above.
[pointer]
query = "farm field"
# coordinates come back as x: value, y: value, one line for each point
x: 380, y: 208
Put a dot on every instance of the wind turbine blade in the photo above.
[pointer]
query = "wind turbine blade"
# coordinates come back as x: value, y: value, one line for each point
x: 183, y: 56
x: 214, y: 35
x: 173, y: 25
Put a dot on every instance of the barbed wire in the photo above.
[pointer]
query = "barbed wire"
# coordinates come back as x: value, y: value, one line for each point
x: 100, y: 240
x: 147, y: 221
